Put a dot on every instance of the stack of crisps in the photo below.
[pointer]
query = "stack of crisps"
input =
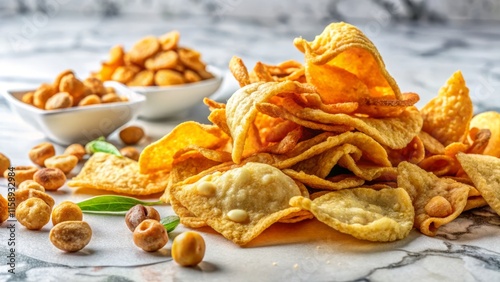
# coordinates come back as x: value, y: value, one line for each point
x: 332, y: 139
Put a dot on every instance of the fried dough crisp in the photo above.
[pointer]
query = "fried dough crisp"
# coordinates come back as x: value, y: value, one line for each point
x: 425, y: 188
x: 484, y: 171
x: 242, y: 202
x: 118, y: 174
x: 344, y: 46
x: 375, y: 215
x: 489, y: 120
x: 447, y: 116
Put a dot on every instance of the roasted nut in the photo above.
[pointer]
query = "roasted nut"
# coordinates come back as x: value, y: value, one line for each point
x: 33, y: 213
x: 130, y: 152
x: 110, y: 98
x: 191, y: 76
x: 50, y: 178
x: 66, y: 211
x: 76, y: 150
x: 60, y: 100
x: 138, y: 214
x: 41, y: 152
x: 150, y: 235
x: 4, y: 209
x: 20, y: 174
x: 110, y: 89
x: 59, y: 77
x: 66, y: 163
x: 131, y: 135
x: 24, y: 194
x: 168, y: 77
x: 123, y: 74
x: 4, y: 163
x: 42, y: 94
x: 73, y: 86
x: 70, y: 236
x: 188, y: 248
x: 438, y: 206
x: 92, y: 99
x: 95, y: 86
x: 30, y: 184
x: 28, y: 97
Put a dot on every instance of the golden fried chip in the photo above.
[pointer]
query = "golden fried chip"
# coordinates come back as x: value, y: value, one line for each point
x: 491, y: 121
x: 118, y: 174
x: 116, y: 56
x: 169, y: 40
x: 414, y: 152
x: 394, y: 132
x: 383, y: 107
x: 162, y: 60
x: 345, y: 46
x: 335, y: 85
x: 144, y: 49
x: 316, y: 182
x: 242, y: 202
x: 260, y: 74
x: 431, y: 144
x: 313, y: 100
x: 437, y: 201
x: 440, y: 165
x: 159, y: 155
x: 484, y: 171
x: 142, y: 78
x: 367, y: 214
x: 447, y: 116
x: 241, y: 111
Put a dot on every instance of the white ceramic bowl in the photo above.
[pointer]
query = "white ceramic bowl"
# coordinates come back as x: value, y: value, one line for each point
x: 79, y: 124
x: 167, y: 101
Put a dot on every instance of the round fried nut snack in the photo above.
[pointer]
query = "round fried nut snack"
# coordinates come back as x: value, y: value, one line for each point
x: 50, y: 178
x: 33, y: 213
x: 150, y: 235
x: 41, y: 152
x: 188, y: 248
x: 144, y: 49
x: 30, y: 184
x: 4, y: 163
x: 138, y: 214
x: 191, y: 76
x: 95, y: 86
x: 163, y: 60
x: 123, y: 74
x: 168, y: 77
x: 191, y: 59
x: 42, y: 94
x: 66, y: 211
x: 169, y: 40
x: 143, y: 78
x: 60, y: 100
x: 71, y: 236
x: 110, y: 98
x: 130, y: 152
x: 24, y: 194
x: 57, y: 81
x: 76, y: 150
x: 130, y: 135
x: 28, y: 98
x: 66, y: 163
x: 4, y: 209
x: 20, y: 173
x: 92, y: 99
x: 73, y: 86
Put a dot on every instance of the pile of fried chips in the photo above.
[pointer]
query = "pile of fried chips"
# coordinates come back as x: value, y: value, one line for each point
x: 334, y: 139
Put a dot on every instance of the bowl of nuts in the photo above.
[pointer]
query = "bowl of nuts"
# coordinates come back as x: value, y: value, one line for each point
x: 172, y: 77
x: 73, y: 113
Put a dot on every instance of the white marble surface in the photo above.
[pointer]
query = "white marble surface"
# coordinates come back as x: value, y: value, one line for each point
x: 420, y: 58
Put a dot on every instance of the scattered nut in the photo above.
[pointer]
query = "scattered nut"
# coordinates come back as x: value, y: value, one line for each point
x: 42, y: 94
x: 131, y: 135
x: 138, y: 214
x: 60, y: 100
x: 33, y: 213
x: 50, y: 178
x: 66, y: 211
x: 130, y: 152
x: 70, y: 236
x: 23, y: 195
x: 20, y: 174
x: 95, y: 86
x: 188, y: 248
x: 4, y: 163
x: 4, y: 209
x: 76, y: 150
x: 66, y: 163
x: 110, y: 98
x: 150, y: 235
x: 30, y: 184
x: 438, y: 206
x: 41, y: 152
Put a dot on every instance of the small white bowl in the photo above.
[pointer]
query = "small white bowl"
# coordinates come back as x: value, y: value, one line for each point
x: 79, y: 124
x: 168, y: 101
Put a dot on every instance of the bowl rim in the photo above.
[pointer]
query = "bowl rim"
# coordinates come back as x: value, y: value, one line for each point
x: 134, y: 98
x: 218, y: 77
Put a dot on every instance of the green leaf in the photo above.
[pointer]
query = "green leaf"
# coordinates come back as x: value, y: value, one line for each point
x: 111, y: 204
x: 101, y: 145
x: 170, y: 222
